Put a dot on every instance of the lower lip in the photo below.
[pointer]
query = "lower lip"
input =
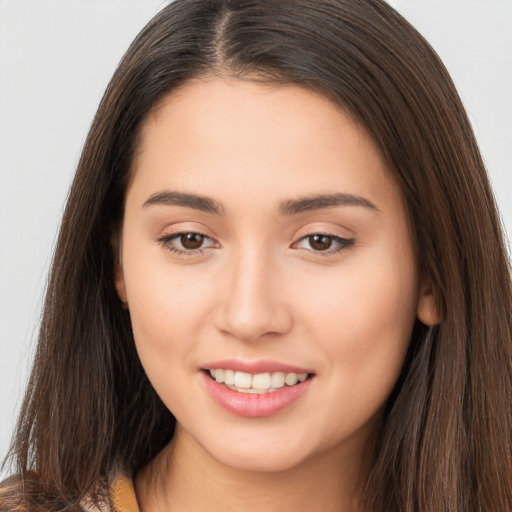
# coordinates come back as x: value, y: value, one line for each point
x: 254, y: 405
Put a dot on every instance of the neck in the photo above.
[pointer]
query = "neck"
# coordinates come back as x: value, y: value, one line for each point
x: 185, y: 478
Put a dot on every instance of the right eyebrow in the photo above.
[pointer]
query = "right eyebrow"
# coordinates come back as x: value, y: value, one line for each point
x: 170, y: 198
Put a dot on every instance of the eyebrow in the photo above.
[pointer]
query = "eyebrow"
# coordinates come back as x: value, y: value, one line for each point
x: 202, y: 203
x: 324, y: 201
x: 290, y: 207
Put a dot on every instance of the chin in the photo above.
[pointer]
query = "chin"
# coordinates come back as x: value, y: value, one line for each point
x: 257, y: 461
x: 259, y: 453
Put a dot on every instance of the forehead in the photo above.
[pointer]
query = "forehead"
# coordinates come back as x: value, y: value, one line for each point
x: 255, y: 136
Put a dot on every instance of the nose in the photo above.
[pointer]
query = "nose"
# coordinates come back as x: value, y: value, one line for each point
x: 254, y: 302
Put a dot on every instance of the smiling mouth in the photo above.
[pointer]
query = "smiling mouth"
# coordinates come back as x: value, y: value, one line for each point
x: 258, y: 383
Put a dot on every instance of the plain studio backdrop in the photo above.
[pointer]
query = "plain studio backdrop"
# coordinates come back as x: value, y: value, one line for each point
x: 56, y: 57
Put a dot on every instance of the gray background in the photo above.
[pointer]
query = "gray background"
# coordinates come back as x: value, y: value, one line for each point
x: 56, y: 57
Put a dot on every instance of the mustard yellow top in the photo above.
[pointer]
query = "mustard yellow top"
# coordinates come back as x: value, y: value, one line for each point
x: 122, y: 495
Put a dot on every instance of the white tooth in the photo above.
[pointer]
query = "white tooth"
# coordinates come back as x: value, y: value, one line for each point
x: 243, y: 380
x: 291, y: 379
x: 302, y: 377
x: 261, y: 381
x: 229, y: 377
x: 219, y: 375
x: 212, y: 373
x: 277, y: 380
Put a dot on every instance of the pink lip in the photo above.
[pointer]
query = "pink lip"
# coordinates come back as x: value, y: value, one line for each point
x: 254, y: 405
x: 261, y: 366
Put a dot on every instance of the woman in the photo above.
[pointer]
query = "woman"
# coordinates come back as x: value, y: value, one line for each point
x: 280, y: 279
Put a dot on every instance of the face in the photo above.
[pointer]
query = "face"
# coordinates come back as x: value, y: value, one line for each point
x: 267, y: 264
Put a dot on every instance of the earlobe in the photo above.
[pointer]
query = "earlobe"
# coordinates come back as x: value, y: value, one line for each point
x: 428, y: 311
x: 118, y: 270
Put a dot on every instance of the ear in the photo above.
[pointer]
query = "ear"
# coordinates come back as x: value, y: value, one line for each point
x: 116, y: 244
x: 428, y: 311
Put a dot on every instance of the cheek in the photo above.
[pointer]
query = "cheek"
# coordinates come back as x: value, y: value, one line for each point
x: 363, y: 320
x: 165, y: 309
x: 167, y: 305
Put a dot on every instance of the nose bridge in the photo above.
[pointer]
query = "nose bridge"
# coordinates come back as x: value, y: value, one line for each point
x: 255, y: 304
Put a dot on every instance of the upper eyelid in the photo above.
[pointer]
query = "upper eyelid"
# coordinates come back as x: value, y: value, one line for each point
x: 182, y: 228
x: 334, y: 230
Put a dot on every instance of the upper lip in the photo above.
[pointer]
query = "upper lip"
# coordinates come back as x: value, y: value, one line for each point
x: 254, y: 367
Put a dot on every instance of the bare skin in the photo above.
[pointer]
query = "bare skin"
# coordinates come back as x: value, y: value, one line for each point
x: 263, y: 228
x: 172, y: 479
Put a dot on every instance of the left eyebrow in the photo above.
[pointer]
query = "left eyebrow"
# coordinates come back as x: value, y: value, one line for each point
x: 304, y: 204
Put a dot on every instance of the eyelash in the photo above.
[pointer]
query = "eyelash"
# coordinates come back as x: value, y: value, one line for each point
x: 344, y: 244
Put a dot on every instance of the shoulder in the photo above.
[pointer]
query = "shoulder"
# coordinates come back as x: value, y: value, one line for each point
x: 122, y: 495
x: 19, y: 494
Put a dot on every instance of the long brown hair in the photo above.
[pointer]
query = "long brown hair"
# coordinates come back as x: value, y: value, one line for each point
x: 446, y: 440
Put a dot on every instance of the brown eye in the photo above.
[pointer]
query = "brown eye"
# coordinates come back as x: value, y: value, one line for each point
x: 191, y: 241
x: 324, y: 244
x: 187, y: 243
x: 320, y: 242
